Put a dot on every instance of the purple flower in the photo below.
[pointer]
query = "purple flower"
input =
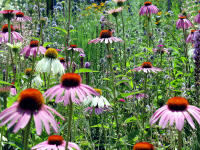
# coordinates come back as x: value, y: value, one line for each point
x: 146, y: 68
x: 148, y: 9
x: 197, y: 18
x: 183, y: 22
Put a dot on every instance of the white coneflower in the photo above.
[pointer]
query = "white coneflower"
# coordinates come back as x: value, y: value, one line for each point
x: 15, y: 46
x: 50, y: 63
x: 97, y: 101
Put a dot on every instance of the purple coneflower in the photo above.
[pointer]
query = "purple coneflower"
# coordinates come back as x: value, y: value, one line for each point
x: 148, y: 9
x: 143, y: 146
x: 5, y: 35
x: 21, y: 18
x: 96, y: 110
x: 176, y: 110
x: 115, y: 12
x: 70, y: 89
x: 8, y: 14
x: 55, y: 142
x: 13, y: 90
x: 30, y: 103
x: 197, y: 18
x: 160, y: 49
x: 147, y: 67
x: 183, y: 22
x: 106, y: 35
x: 63, y: 62
x: 190, y: 38
x: 119, y: 2
x: 75, y: 48
x: 33, y: 49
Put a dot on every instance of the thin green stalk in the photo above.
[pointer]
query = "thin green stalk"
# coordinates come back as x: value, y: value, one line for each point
x: 179, y: 140
x: 70, y: 108
x: 26, y: 135
x: 123, y: 29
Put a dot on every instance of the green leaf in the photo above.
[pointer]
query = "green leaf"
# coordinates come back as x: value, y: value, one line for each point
x: 35, y: 38
x: 47, y: 43
x: 107, y: 79
x: 83, y: 70
x: 122, y: 81
x: 61, y: 29
x: 3, y: 82
x: 99, y: 126
x: 128, y: 94
x: 131, y: 119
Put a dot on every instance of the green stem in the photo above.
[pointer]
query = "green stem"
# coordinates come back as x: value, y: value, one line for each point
x: 69, y: 123
x: 123, y: 28
x: 26, y: 134
x: 179, y: 140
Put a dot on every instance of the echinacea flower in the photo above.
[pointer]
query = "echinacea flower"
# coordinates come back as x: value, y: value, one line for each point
x: 13, y: 90
x: 8, y: 14
x: 147, y: 67
x: 55, y: 142
x: 183, y: 22
x: 160, y: 49
x: 148, y: 9
x: 122, y: 100
x: 75, y: 48
x: 176, y: 111
x: 190, y: 38
x: 143, y: 146
x: 30, y: 103
x: 70, y: 89
x: 50, y: 63
x: 96, y: 110
x: 4, y: 35
x: 115, y: 12
x: 21, y: 18
x: 32, y: 49
x: 35, y: 79
x: 197, y: 18
x: 99, y: 101
x: 119, y: 2
x: 106, y: 35
x: 63, y: 62
x: 15, y: 46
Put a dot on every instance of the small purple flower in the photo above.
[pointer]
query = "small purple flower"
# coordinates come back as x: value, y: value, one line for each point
x: 183, y: 22
x: 148, y: 9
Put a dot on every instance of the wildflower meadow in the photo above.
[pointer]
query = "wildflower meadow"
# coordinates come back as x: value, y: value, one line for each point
x: 99, y: 75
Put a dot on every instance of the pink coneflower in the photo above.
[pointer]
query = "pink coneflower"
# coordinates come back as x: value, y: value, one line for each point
x: 143, y: 146
x: 75, y: 48
x: 106, y: 35
x: 183, y: 22
x: 115, y: 12
x: 8, y: 14
x: 197, y: 18
x: 5, y: 35
x: 70, y: 89
x: 55, y: 142
x: 190, y: 38
x: 21, y: 18
x: 13, y: 90
x: 32, y: 49
x: 176, y: 110
x: 147, y: 67
x: 63, y: 62
x: 30, y: 103
x: 160, y: 49
x: 96, y: 110
x: 148, y: 9
x: 119, y: 2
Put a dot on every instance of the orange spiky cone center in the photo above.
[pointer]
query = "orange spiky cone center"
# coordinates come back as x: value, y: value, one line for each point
x: 20, y: 14
x: 34, y: 43
x: 177, y: 104
x: 147, y: 3
x: 51, y: 53
x: 105, y: 34
x: 71, y: 80
x: 5, y: 28
x: 73, y: 46
x: 55, y: 140
x: 147, y: 65
x: 143, y: 146
x: 31, y: 100
x: 182, y: 17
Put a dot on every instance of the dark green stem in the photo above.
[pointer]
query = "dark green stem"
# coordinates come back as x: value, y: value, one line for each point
x: 123, y: 29
x: 70, y: 107
x: 26, y: 135
x: 179, y: 140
